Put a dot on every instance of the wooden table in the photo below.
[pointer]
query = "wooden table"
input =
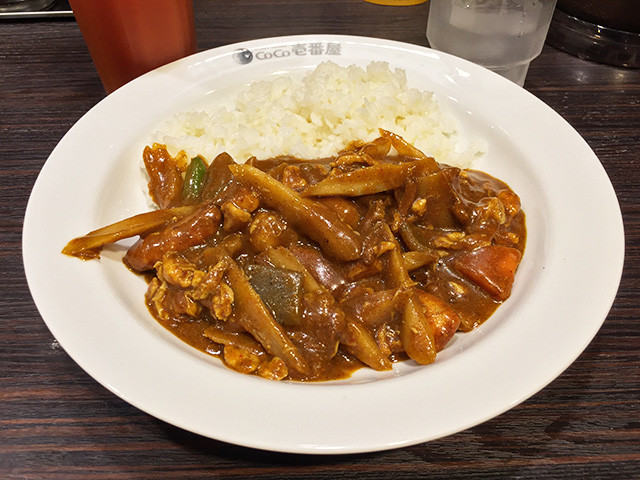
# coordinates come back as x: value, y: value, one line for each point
x: 56, y: 422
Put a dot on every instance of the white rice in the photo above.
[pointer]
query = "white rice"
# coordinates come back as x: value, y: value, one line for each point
x: 319, y: 114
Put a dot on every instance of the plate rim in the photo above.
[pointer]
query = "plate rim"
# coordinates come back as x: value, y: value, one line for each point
x: 309, y: 448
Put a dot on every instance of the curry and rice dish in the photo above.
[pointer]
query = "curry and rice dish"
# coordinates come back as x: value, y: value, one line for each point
x: 311, y: 269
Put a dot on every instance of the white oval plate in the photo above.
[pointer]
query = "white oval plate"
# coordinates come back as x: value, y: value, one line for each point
x: 564, y: 288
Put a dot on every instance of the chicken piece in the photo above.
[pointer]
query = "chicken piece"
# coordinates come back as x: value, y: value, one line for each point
x: 222, y: 302
x: 178, y: 271
x: 195, y: 286
x: 238, y: 205
x: 274, y: 369
x: 244, y: 354
x: 169, y: 302
x: 489, y: 213
x: 245, y: 199
x: 448, y: 240
x: 388, y: 340
x: 269, y: 230
x: 241, y: 359
x: 180, y: 303
x: 510, y: 200
x: 235, y: 218
x: 292, y: 178
x: 209, y: 283
x: 154, y: 296
x: 419, y: 206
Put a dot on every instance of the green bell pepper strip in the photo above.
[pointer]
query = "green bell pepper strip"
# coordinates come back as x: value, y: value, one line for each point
x: 194, y: 180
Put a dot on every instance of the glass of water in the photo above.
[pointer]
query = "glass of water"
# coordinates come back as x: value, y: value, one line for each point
x: 502, y: 35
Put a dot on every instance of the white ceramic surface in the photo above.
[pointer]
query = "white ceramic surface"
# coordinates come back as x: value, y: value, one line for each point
x: 563, y: 291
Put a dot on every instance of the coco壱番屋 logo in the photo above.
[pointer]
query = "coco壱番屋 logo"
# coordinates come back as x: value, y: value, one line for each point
x: 244, y: 56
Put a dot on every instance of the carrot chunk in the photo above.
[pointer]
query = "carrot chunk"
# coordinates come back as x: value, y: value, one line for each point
x: 492, y: 268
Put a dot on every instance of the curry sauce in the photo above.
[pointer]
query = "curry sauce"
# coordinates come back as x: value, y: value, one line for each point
x: 308, y: 270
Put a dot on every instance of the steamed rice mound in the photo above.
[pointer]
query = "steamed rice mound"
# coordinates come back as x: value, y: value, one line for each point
x: 317, y: 115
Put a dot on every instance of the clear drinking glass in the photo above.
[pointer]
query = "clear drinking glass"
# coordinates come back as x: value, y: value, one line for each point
x: 502, y: 35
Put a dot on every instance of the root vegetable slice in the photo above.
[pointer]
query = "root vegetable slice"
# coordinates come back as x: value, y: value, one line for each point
x: 334, y: 236
x: 89, y: 245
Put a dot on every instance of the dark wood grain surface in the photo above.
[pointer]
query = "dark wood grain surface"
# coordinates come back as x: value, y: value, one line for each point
x: 56, y: 422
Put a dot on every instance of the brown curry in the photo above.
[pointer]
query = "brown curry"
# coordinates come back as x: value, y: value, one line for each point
x: 310, y: 269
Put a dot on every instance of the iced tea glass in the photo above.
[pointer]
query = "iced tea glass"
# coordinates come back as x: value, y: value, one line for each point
x: 127, y: 38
